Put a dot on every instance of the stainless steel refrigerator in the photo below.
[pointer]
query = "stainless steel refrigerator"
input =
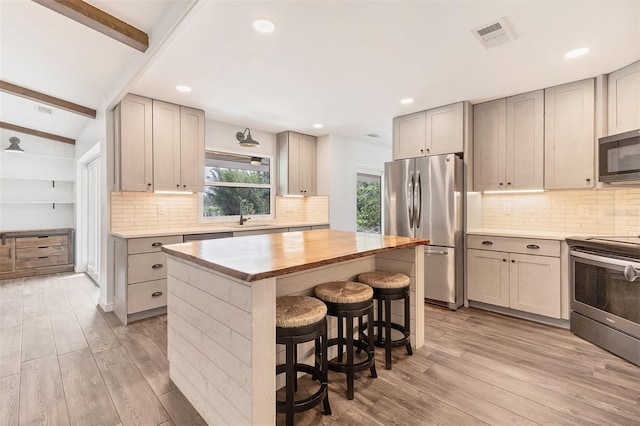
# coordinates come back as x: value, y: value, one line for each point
x: 424, y: 198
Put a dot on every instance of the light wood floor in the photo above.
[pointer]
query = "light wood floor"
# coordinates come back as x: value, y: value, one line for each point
x: 62, y: 361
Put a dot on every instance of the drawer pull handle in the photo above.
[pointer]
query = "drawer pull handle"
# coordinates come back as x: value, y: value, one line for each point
x: 533, y: 246
x: 156, y: 294
x: 487, y: 243
x: 158, y: 244
x: 43, y: 246
x: 157, y: 266
x: 43, y: 257
x: 43, y: 236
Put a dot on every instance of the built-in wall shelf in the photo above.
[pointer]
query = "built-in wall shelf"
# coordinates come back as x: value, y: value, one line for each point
x: 36, y: 167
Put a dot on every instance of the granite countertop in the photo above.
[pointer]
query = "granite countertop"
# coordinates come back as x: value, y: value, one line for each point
x: 213, y: 229
x: 523, y: 233
x: 253, y: 258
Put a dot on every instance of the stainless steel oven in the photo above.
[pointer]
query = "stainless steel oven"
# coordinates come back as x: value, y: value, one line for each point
x: 605, y: 293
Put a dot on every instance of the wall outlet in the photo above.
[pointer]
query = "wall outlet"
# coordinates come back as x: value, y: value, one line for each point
x: 583, y: 210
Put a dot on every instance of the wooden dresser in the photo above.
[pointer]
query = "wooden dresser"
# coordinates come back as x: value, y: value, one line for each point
x: 38, y: 252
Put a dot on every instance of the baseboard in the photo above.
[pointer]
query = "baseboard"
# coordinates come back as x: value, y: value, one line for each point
x: 107, y: 307
x: 562, y: 323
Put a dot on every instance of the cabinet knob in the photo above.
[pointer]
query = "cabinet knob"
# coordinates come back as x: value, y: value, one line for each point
x: 508, y: 183
x: 178, y: 186
x: 428, y: 150
x: 148, y: 184
x: 184, y: 186
x: 422, y: 151
x: 156, y: 294
x: 504, y: 260
x: 513, y: 261
x: 588, y: 180
x: 500, y: 184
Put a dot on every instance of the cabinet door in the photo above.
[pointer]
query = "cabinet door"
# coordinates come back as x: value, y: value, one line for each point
x: 489, y: 145
x: 191, y: 149
x: 624, y: 99
x: 488, y: 277
x: 445, y: 130
x: 524, y: 146
x: 7, y: 255
x: 136, y: 143
x: 535, y: 284
x: 293, y: 163
x: 409, y: 136
x: 569, y: 136
x: 166, y: 146
x: 308, y: 165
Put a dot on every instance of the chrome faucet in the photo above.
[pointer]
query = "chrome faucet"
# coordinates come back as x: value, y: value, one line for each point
x: 244, y: 203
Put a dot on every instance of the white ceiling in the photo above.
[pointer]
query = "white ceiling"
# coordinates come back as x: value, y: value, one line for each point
x: 345, y: 64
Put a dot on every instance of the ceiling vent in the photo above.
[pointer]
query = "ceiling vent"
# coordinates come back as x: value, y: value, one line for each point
x: 494, y: 33
x: 43, y: 109
x: 373, y: 135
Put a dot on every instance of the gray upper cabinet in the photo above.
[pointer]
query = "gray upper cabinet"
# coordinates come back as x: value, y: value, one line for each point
x: 432, y: 132
x: 296, y: 162
x: 159, y: 146
x: 134, y: 144
x: 569, y: 135
x: 509, y: 143
x: 624, y: 99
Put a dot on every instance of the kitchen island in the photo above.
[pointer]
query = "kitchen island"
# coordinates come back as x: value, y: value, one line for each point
x: 221, y: 308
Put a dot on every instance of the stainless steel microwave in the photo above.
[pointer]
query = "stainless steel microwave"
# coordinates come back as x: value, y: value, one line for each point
x: 619, y: 158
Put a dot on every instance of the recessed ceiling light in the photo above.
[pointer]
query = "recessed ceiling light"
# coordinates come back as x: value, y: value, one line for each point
x: 318, y: 126
x: 263, y: 26
x: 184, y: 89
x: 577, y: 52
x: 406, y: 101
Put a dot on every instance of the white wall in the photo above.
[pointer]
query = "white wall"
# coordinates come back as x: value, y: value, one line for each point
x: 339, y: 160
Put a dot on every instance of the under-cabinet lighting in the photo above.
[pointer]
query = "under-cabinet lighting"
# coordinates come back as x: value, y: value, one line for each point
x: 293, y: 196
x: 516, y: 191
x: 173, y: 192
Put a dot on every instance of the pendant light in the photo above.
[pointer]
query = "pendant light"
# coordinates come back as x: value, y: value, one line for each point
x: 246, y: 139
x: 14, y: 147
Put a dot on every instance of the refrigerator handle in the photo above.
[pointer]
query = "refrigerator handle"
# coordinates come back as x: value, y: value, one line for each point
x: 419, y: 219
x: 411, y: 205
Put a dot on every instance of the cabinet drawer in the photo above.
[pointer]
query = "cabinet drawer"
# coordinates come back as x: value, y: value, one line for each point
x: 31, y: 252
x: 146, y: 267
x: 515, y: 245
x: 151, y: 244
x: 38, y: 262
x: 145, y: 296
x: 7, y: 253
x: 42, y: 241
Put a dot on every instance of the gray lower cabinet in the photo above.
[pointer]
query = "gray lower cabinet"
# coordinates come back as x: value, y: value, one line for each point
x: 141, y: 277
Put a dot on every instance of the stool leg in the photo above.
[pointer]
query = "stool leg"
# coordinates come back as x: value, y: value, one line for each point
x: 349, y: 355
x: 407, y: 321
x: 380, y: 321
x: 360, y: 335
x: 295, y: 361
x: 340, y: 338
x: 372, y: 348
x: 325, y: 374
x: 319, y: 356
x: 387, y: 333
x: 290, y: 377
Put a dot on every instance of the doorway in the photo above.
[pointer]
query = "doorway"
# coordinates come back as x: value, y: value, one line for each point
x: 92, y: 218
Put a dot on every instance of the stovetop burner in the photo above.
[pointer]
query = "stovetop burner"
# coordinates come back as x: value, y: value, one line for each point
x: 616, y: 244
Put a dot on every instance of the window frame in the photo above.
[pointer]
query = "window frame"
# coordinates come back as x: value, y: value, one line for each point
x: 372, y: 171
x: 236, y: 218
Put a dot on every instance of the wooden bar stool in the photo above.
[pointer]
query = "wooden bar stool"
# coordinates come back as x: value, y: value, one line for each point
x: 349, y: 300
x: 388, y: 286
x: 302, y: 319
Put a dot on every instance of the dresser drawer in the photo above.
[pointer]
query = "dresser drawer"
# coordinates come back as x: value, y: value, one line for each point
x: 151, y: 244
x: 515, y: 245
x: 31, y: 252
x: 146, y: 267
x: 39, y: 262
x: 145, y: 296
x: 42, y: 241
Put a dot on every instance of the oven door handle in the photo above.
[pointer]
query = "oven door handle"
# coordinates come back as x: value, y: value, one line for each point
x: 604, y: 259
x: 631, y: 273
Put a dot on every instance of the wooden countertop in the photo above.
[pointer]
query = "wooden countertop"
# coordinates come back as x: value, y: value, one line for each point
x: 257, y: 257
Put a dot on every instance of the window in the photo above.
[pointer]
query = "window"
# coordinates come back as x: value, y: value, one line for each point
x: 369, y: 203
x: 230, y: 178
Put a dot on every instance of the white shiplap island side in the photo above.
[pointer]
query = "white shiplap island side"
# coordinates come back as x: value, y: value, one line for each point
x: 221, y: 308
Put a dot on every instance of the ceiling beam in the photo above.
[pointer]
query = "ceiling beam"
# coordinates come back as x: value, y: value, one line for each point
x: 32, y: 95
x: 37, y: 133
x: 100, y: 21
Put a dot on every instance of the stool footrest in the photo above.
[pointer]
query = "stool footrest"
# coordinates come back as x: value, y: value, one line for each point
x: 310, y: 401
x: 381, y: 342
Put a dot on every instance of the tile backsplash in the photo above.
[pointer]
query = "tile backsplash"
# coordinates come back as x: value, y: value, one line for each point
x: 615, y: 212
x: 132, y: 211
